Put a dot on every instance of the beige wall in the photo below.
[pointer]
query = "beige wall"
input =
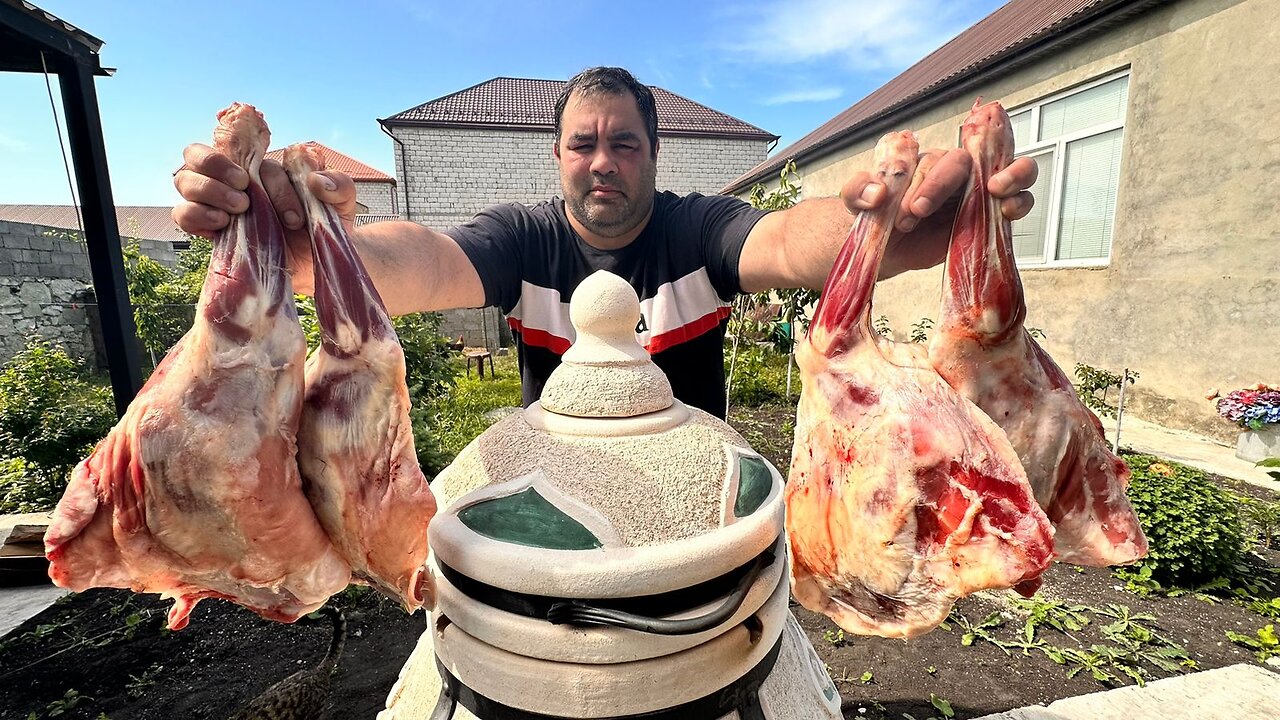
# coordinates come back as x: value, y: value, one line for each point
x: 1191, y: 297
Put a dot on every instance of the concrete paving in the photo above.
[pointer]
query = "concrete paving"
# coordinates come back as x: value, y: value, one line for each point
x: 1237, y: 692
x: 1187, y: 448
x: 17, y: 604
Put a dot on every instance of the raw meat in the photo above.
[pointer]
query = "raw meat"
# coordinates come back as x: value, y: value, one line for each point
x: 984, y: 352
x: 355, y: 443
x: 903, y: 496
x: 196, y: 492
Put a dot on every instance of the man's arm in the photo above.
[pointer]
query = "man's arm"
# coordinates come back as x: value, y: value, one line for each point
x: 796, y: 247
x: 414, y: 268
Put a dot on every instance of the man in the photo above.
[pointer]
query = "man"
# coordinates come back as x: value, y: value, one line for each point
x: 685, y: 256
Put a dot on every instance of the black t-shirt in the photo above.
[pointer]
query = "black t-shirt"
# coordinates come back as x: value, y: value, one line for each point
x: 683, y: 265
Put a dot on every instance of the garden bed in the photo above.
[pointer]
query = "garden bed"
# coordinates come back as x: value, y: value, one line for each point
x: 104, y: 653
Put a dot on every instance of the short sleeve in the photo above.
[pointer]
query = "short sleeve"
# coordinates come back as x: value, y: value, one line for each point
x: 724, y: 224
x: 492, y: 241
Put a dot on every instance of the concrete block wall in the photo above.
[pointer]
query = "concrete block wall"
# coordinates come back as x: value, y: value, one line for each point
x: 704, y: 165
x: 46, y: 288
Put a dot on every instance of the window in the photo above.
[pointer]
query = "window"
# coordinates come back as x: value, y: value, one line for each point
x: 1075, y: 138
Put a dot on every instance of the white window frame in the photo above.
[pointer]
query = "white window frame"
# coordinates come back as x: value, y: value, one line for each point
x: 1059, y: 147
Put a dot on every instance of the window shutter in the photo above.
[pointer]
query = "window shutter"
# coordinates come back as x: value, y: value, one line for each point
x: 1095, y: 106
x: 1029, y: 233
x: 1091, y: 174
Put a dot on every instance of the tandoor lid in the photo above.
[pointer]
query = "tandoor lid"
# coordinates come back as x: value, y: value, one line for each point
x: 608, y: 486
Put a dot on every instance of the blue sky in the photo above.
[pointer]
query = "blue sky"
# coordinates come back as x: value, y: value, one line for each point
x: 327, y: 70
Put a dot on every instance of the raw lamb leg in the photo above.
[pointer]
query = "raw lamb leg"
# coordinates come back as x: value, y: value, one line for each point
x: 196, y: 492
x: 903, y: 496
x: 984, y: 352
x: 355, y: 444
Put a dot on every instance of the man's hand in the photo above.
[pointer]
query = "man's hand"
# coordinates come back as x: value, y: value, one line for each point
x: 213, y: 189
x: 929, y: 207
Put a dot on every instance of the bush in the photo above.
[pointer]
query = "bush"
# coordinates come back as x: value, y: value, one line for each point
x: 50, y: 418
x: 1193, y: 526
x: 759, y: 376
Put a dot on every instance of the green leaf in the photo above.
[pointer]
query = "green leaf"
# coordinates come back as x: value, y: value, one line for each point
x: 943, y: 706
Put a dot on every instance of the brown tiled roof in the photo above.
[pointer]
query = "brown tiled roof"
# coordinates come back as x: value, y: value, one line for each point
x: 335, y: 160
x: 522, y: 103
x: 1018, y: 32
x: 139, y: 221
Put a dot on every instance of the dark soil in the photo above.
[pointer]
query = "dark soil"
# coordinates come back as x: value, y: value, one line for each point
x: 104, y: 653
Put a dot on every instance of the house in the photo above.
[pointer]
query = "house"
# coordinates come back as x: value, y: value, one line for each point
x: 1153, y: 244
x: 375, y: 190
x: 492, y: 143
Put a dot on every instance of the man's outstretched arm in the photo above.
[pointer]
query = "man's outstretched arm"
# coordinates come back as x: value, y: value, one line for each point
x: 796, y: 247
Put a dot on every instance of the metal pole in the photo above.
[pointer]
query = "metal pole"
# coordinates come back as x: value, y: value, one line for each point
x: 101, y: 233
x: 791, y: 353
x: 1124, y: 380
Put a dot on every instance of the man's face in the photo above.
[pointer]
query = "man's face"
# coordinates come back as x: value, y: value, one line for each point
x: 607, y: 168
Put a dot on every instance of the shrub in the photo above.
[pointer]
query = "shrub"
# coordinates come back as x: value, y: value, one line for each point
x: 759, y: 376
x: 50, y: 418
x: 1193, y: 526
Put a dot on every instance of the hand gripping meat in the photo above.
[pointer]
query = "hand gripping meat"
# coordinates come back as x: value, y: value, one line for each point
x: 195, y: 493
x: 984, y: 352
x: 903, y: 496
x: 355, y: 442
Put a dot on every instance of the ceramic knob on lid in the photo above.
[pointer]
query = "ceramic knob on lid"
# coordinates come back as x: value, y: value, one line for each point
x: 606, y: 373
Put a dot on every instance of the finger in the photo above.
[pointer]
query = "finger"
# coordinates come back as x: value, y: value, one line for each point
x: 337, y: 189
x: 206, y: 161
x: 283, y: 197
x: 1018, y: 206
x: 862, y: 192
x: 205, y: 190
x: 924, y: 166
x: 196, y: 219
x: 1020, y: 175
x: 944, y: 176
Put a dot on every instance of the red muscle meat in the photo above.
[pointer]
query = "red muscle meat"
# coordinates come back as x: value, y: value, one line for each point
x: 902, y: 496
x: 195, y: 493
x: 355, y: 443
x: 984, y: 352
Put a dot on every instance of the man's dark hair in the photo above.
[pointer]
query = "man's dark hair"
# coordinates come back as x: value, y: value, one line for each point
x: 611, y: 81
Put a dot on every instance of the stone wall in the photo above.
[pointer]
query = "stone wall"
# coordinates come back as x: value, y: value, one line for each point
x: 46, y: 288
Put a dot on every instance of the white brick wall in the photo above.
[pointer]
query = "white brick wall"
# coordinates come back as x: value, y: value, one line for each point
x: 379, y: 197
x: 454, y: 173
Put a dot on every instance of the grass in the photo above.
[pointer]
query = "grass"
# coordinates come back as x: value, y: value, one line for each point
x: 461, y: 413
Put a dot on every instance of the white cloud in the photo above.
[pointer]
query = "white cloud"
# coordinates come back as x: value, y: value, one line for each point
x: 862, y: 34
x: 12, y: 144
x: 803, y: 96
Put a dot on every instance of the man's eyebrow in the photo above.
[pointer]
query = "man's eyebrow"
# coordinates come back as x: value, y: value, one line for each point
x: 582, y: 137
x: 624, y: 135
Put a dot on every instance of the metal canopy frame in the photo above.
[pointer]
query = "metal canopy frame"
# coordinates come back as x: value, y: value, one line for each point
x: 27, y: 32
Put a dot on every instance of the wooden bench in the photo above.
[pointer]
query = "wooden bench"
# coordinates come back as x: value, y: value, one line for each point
x: 478, y: 354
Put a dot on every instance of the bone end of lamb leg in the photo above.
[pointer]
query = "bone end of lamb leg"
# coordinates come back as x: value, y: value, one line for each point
x: 242, y: 135
x: 842, y: 316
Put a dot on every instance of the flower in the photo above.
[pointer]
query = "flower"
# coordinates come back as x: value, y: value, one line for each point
x: 1253, y: 407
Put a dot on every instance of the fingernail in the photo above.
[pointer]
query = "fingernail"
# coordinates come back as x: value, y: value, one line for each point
x: 921, y: 207
x: 240, y: 178
x: 235, y: 200
x: 291, y: 219
x: 214, y: 215
x: 871, y: 194
x: 329, y: 185
x: 907, y: 224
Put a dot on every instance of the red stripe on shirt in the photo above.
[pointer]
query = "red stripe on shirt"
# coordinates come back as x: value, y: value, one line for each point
x: 540, y: 338
x: 688, y: 331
